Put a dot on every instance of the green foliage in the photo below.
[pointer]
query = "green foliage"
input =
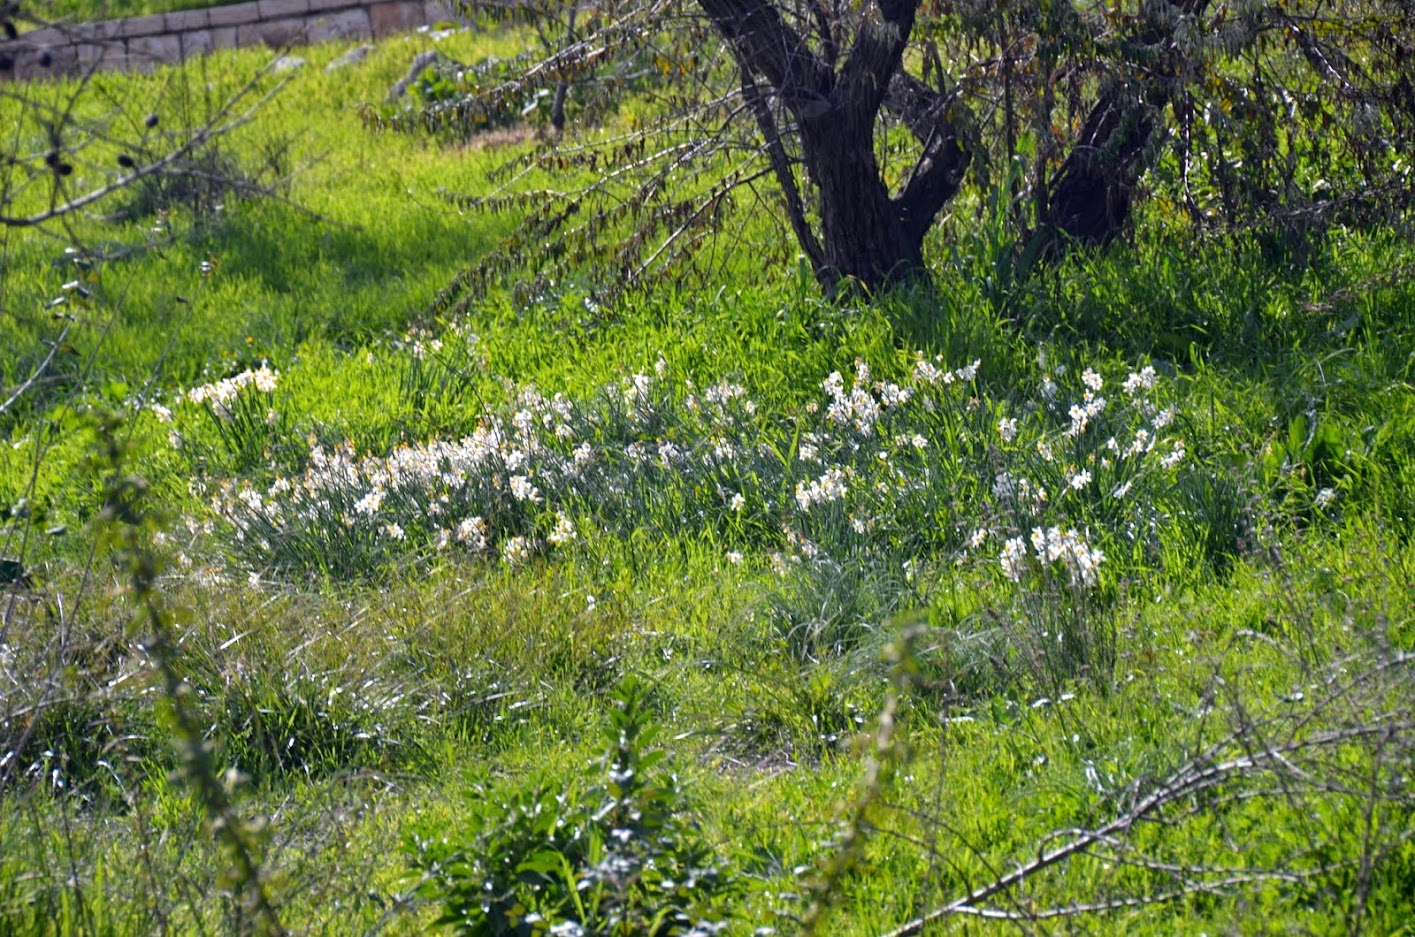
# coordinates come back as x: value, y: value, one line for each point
x: 617, y: 857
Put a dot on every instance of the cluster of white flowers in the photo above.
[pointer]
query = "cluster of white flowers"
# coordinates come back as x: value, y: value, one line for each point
x: 223, y: 393
x: 831, y: 486
x: 644, y: 451
x: 1052, y: 546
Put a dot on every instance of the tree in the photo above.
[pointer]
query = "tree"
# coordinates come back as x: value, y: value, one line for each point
x: 1072, y: 112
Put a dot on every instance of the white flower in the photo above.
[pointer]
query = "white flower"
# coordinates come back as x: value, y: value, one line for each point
x: 1003, y: 487
x: 394, y: 532
x: 564, y: 531
x: 1080, y: 419
x: 968, y: 372
x: 926, y: 372
x: 977, y: 538
x: 734, y: 557
x: 737, y: 502
x: 1013, y: 559
x: 162, y: 413
x: 828, y: 487
x: 1121, y: 491
x: 370, y: 503
x: 264, y: 379
x: 516, y: 550
x: 1162, y: 419
x: 1144, y: 379
x: 472, y: 531
x: 1080, y: 480
x: 1175, y: 457
x: 1091, y: 379
x: 523, y: 490
x: 1324, y: 498
x: 1007, y: 429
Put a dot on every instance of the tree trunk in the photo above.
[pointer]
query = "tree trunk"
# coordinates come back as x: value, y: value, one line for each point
x: 862, y: 236
x: 866, y: 236
x: 1094, y: 189
x: 1093, y: 192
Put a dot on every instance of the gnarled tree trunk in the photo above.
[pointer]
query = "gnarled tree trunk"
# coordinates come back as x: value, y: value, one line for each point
x: 863, y: 233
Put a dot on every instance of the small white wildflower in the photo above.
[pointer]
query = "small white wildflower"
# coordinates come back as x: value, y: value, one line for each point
x: 394, y: 532
x: 564, y: 531
x: 1092, y: 380
x: 737, y: 502
x: 1007, y: 429
x: 370, y: 503
x: 1080, y: 419
x: 1162, y: 419
x: 1174, y: 457
x: 926, y: 372
x: 162, y: 413
x: 1140, y: 380
x: 1324, y: 498
x: 977, y: 538
x: 472, y: 531
x: 1122, y: 490
x: 1080, y: 480
x: 734, y: 557
x: 968, y: 372
x: 1003, y: 487
x: 523, y: 490
x: 516, y: 550
x: 1013, y: 559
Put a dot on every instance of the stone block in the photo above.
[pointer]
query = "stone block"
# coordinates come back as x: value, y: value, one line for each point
x: 94, y: 31
x: 396, y: 16
x: 344, y: 24
x: 45, y: 62
x: 49, y: 37
x: 102, y: 56
x: 223, y: 37
x: 135, y: 26
x: 438, y: 11
x: 325, y: 6
x: 233, y: 15
x: 186, y: 21
x: 152, y: 50
x: 197, y: 42
x: 282, y: 9
x: 276, y: 35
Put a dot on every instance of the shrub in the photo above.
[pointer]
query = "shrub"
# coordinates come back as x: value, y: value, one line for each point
x: 616, y: 857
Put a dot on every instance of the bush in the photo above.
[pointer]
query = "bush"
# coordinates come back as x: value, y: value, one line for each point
x: 617, y: 857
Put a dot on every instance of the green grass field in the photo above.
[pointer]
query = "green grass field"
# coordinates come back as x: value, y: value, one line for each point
x: 1111, y: 566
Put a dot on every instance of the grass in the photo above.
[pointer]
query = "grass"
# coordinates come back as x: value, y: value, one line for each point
x: 363, y: 685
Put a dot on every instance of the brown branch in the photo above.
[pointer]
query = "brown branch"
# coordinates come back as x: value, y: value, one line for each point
x: 769, y: 47
x: 875, y: 56
x: 781, y: 167
x: 938, y: 173
x: 209, y: 131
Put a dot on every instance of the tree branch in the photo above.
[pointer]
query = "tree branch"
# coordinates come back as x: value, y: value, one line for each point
x: 938, y: 173
x: 781, y: 167
x: 769, y: 47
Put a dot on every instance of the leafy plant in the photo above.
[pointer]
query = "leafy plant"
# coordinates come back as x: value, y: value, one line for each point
x: 617, y: 857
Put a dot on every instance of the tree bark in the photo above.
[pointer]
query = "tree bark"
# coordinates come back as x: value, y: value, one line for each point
x: 1094, y: 190
x: 866, y: 235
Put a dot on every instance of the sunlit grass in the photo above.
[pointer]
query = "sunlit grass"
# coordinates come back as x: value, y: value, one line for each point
x: 359, y: 681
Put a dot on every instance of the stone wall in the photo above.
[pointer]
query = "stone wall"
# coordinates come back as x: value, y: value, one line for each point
x: 143, y: 42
